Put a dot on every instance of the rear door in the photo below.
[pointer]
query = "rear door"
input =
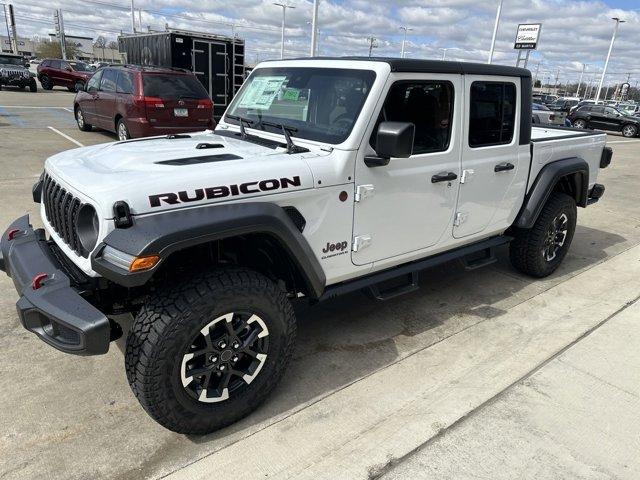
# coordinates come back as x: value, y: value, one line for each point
x: 494, y: 166
x: 176, y: 100
x: 596, y: 118
x: 106, y: 100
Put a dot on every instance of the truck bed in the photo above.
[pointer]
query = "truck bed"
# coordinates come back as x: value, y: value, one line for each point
x: 549, y: 144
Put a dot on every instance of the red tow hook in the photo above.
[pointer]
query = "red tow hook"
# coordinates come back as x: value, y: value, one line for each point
x: 38, y: 280
x: 12, y: 233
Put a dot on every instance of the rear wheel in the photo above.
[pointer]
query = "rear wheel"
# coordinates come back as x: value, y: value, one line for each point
x: 122, y: 130
x: 579, y: 123
x: 33, y: 86
x: 82, y: 124
x: 538, y: 251
x: 206, y: 352
x: 629, y: 130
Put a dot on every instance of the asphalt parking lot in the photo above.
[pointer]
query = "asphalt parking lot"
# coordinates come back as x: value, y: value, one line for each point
x: 482, y: 374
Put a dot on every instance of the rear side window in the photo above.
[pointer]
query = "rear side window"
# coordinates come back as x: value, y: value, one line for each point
x: 172, y: 86
x: 94, y: 81
x: 125, y: 82
x: 426, y: 104
x: 597, y: 109
x: 492, y: 113
x: 108, y: 83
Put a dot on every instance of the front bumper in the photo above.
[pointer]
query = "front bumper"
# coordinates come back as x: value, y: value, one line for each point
x: 53, y: 310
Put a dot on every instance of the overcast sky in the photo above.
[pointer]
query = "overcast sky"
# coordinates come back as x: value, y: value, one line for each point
x: 573, y: 32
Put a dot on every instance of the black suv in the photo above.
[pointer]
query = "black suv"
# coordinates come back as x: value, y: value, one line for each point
x: 14, y: 73
x: 605, y: 118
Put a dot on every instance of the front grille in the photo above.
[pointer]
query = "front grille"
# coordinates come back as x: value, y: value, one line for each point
x: 61, y: 209
x: 14, y: 73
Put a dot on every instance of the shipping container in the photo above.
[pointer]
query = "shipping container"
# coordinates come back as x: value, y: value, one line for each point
x: 216, y: 60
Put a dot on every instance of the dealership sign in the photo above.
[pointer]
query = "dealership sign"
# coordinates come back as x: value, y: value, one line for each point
x: 527, y: 36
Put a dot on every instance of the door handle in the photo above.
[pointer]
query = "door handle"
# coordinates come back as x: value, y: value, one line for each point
x: 503, y: 167
x: 443, y: 177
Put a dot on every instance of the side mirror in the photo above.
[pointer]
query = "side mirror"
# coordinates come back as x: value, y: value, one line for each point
x: 393, y: 140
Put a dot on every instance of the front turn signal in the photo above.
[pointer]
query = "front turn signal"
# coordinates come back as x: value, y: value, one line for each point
x: 144, y: 263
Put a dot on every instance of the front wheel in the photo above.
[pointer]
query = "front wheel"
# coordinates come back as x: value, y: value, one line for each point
x: 46, y: 82
x: 581, y: 124
x: 538, y: 251
x: 80, y: 120
x: 206, y: 352
x: 33, y: 86
x: 629, y: 131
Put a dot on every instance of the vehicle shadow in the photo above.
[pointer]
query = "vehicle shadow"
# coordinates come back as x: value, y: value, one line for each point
x: 351, y: 337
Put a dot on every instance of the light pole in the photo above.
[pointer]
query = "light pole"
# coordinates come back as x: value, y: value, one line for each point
x: 606, y: 62
x: 584, y: 65
x: 444, y: 53
x: 133, y: 18
x: 314, y: 28
x: 495, y: 32
x: 404, y: 39
x: 284, y: 13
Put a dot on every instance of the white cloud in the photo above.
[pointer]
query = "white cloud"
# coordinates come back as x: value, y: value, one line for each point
x: 573, y: 33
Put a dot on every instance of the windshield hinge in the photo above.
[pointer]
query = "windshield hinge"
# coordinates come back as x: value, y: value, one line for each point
x: 466, y: 175
x: 360, y: 242
x: 363, y: 191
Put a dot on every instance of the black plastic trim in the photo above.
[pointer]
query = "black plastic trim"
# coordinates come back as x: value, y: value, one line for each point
x: 412, y: 65
x: 605, y: 158
x: 543, y: 186
x: 171, y: 231
x: 55, y: 312
x: 338, y: 289
x: 526, y: 106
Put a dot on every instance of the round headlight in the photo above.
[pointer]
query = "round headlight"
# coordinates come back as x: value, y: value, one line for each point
x: 88, y: 227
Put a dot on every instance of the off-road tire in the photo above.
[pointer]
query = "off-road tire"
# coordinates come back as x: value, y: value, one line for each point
x: 165, y: 326
x: 46, y: 82
x: 33, y: 86
x: 526, y: 250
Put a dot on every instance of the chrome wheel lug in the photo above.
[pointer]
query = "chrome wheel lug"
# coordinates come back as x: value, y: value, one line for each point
x: 234, y: 358
x: 221, y: 368
x: 236, y: 345
x: 222, y: 344
x: 213, y: 358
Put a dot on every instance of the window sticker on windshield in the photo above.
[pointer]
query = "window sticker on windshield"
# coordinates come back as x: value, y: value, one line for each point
x: 291, y: 94
x: 261, y: 93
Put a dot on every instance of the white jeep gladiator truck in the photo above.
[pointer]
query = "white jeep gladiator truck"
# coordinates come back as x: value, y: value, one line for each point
x: 325, y: 176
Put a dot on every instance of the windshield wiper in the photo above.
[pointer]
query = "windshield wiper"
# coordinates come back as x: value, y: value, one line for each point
x: 242, y: 121
x: 291, y: 147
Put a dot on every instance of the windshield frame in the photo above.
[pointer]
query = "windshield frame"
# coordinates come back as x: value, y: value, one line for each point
x: 367, y: 74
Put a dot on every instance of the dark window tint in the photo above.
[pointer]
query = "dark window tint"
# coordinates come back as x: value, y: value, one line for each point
x: 585, y: 109
x: 173, y: 86
x: 597, y: 109
x: 55, y: 64
x: 492, y: 113
x: 64, y: 66
x: 428, y: 105
x: 108, y: 83
x: 125, y: 82
x: 44, y: 63
x: 611, y: 111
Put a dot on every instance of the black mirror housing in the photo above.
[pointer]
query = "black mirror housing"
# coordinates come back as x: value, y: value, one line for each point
x: 395, y: 139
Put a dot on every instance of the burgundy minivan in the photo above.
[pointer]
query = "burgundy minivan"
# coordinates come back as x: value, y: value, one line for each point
x: 136, y: 101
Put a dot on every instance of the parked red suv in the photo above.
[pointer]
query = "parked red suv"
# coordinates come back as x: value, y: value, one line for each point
x: 136, y: 101
x: 64, y: 73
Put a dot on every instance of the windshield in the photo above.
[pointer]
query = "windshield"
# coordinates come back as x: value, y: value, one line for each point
x: 319, y: 104
x: 8, y: 60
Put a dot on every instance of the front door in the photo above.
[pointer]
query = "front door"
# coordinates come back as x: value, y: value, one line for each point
x: 491, y: 157
x: 407, y: 205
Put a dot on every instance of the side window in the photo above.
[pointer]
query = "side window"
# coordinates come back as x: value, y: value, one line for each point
x: 585, y: 109
x: 125, y: 82
x: 597, y: 109
x: 426, y: 104
x: 94, y: 82
x: 492, y: 113
x: 611, y: 111
x: 64, y: 65
x: 45, y: 63
x: 55, y: 64
x: 108, y: 83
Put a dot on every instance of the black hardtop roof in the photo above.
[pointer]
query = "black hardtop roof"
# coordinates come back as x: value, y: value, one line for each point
x: 413, y: 65
x: 9, y: 54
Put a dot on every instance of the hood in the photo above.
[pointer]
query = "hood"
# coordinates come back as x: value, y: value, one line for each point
x: 162, y: 173
x: 13, y: 67
x: 84, y: 74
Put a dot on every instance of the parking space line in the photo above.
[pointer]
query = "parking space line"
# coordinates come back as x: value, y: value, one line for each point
x: 67, y: 109
x: 623, y: 141
x: 66, y: 136
x: 33, y: 106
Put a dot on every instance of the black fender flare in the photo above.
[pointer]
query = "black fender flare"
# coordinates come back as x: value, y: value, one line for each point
x: 544, y: 184
x: 167, y: 232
